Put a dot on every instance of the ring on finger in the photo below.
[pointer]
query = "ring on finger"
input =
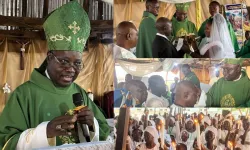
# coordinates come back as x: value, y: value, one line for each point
x: 59, y: 127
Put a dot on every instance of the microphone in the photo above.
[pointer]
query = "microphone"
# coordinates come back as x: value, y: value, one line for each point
x: 77, y: 100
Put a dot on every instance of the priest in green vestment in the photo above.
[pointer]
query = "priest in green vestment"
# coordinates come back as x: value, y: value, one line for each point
x: 214, y: 8
x: 147, y: 30
x: 245, y: 49
x: 35, y: 114
x: 190, y: 76
x: 233, y: 90
x: 181, y: 25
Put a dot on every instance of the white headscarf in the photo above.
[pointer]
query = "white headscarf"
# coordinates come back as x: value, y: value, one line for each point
x: 221, y: 44
x: 213, y: 129
x: 189, y: 119
x: 184, y: 130
x: 152, y: 130
x: 206, y: 120
x: 220, y: 32
x: 152, y: 122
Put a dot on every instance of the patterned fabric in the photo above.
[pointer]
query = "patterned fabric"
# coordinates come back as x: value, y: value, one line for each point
x: 182, y: 6
x: 236, y: 61
x: 67, y: 28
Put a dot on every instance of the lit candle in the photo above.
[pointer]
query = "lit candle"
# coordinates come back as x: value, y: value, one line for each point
x: 231, y: 145
x: 90, y: 95
x: 173, y: 144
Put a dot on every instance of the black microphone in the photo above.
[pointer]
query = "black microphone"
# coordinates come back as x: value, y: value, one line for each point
x: 77, y: 100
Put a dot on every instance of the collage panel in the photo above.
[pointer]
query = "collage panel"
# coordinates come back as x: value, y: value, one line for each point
x: 56, y: 75
x: 182, y: 29
x: 182, y: 128
x: 200, y: 82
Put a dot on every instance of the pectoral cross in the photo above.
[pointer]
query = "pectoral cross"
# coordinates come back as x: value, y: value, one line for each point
x: 22, y: 51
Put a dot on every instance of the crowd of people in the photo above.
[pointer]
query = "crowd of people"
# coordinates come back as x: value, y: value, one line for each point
x: 188, y: 131
x: 178, y: 37
x: 188, y: 92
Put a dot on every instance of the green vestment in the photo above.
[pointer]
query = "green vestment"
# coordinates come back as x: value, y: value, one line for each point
x: 230, y: 93
x: 245, y: 51
x: 193, y: 78
x: 37, y: 101
x: 201, y: 33
x: 182, y: 28
x: 146, y: 36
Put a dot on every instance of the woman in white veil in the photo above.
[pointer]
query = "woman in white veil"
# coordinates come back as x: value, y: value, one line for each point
x: 220, y: 45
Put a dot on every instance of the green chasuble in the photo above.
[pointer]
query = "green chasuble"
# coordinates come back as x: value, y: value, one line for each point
x: 201, y: 33
x: 183, y: 28
x: 146, y: 36
x: 230, y: 93
x: 193, y: 78
x: 37, y: 101
x: 245, y: 51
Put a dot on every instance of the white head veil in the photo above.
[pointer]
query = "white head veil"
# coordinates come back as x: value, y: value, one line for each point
x: 152, y: 130
x: 152, y: 122
x: 221, y: 44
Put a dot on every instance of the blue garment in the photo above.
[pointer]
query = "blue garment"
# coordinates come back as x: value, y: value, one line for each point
x: 118, y: 96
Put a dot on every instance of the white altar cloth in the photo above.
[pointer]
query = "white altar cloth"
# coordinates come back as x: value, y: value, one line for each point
x: 101, y: 145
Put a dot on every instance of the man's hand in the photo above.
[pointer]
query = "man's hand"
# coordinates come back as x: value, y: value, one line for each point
x: 85, y: 116
x: 61, y: 126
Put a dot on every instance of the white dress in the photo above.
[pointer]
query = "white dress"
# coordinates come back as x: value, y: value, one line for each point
x: 191, y: 139
x: 220, y: 43
x: 222, y: 134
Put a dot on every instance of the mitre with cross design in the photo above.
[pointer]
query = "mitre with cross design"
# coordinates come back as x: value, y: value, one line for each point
x: 67, y: 28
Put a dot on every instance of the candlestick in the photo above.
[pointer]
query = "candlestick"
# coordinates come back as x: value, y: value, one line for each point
x: 90, y: 95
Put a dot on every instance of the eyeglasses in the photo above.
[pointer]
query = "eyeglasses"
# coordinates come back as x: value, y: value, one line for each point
x: 66, y: 64
x: 155, y: 7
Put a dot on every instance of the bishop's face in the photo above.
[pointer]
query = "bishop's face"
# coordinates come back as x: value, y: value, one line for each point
x: 231, y: 72
x: 181, y: 15
x: 64, y: 67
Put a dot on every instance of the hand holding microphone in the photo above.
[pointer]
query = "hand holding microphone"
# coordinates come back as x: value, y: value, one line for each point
x: 85, y: 116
